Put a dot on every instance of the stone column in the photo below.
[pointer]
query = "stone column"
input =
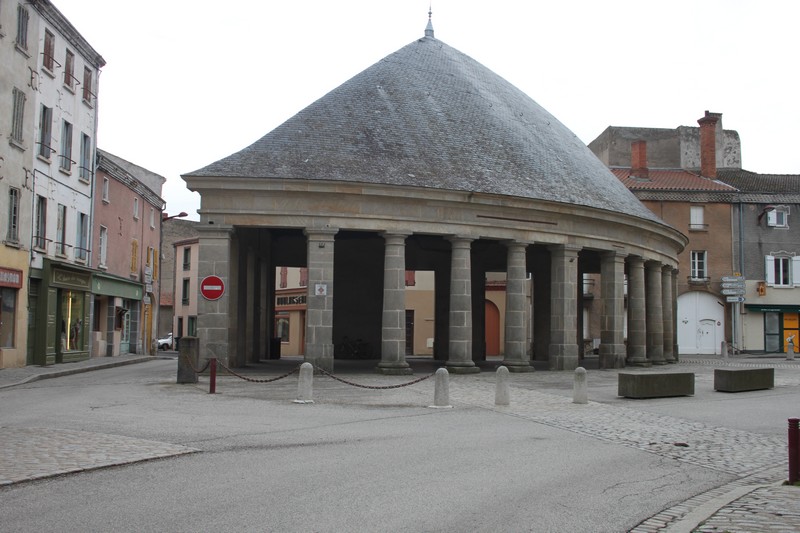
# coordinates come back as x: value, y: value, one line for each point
x: 612, y: 321
x: 654, y: 313
x: 393, y: 329
x: 516, y: 332
x: 637, y: 342
x: 675, y: 352
x: 563, y: 350
x: 251, y: 290
x: 214, y: 329
x: 666, y: 306
x: 319, y: 300
x: 460, y: 346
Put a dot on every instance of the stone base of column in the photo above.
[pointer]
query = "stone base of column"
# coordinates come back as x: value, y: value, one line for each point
x: 564, y: 357
x: 636, y: 361
x: 612, y: 356
x: 394, y: 369
x: 518, y: 366
x: 325, y: 362
x: 462, y: 368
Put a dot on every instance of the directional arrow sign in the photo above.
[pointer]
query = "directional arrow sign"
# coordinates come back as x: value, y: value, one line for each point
x: 735, y: 299
x: 733, y: 285
x: 733, y: 278
x: 733, y: 292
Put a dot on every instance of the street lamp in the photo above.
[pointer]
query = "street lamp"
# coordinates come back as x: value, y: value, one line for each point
x: 164, y: 218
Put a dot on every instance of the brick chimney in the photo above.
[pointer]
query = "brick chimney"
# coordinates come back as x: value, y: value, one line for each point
x: 639, y: 160
x: 708, y: 144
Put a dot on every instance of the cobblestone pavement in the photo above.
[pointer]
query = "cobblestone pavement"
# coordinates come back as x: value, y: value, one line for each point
x: 65, y: 451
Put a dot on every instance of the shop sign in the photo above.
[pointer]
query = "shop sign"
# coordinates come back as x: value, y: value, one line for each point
x: 10, y: 278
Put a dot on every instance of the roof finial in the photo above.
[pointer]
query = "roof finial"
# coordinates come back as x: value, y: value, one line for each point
x: 429, y: 27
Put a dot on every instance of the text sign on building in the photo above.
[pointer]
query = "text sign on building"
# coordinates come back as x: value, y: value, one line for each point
x: 212, y: 288
x: 733, y: 292
x: 10, y: 278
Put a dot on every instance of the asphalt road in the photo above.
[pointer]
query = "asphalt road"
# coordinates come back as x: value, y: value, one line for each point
x: 354, y: 461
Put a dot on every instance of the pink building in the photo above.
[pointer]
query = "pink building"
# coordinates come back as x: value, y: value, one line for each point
x: 127, y: 237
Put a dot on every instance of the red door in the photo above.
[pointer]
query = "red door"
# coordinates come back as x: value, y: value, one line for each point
x: 492, y: 329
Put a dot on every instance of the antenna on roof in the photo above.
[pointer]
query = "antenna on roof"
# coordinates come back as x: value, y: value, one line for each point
x: 429, y: 27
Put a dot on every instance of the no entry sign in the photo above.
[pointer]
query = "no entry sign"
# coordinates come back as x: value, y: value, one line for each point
x: 212, y: 288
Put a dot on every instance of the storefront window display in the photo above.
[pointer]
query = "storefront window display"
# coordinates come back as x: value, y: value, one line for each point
x: 8, y: 316
x: 71, y: 321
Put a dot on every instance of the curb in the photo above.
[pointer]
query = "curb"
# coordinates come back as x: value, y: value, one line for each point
x: 81, y: 370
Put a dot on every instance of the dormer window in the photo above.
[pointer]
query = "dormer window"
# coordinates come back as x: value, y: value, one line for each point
x: 778, y: 217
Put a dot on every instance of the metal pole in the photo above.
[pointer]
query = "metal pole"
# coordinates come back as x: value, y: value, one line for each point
x: 212, y: 384
x: 794, y: 450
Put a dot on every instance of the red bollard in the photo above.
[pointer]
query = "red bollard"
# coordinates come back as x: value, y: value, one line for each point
x: 212, y: 384
x: 794, y: 450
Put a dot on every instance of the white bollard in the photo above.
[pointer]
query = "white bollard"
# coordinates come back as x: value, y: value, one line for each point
x: 579, y: 390
x: 304, y: 384
x: 502, y: 395
x: 441, y: 392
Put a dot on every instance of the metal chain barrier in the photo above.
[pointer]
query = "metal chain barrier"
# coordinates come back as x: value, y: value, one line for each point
x: 252, y: 380
x: 196, y: 371
x: 374, y: 387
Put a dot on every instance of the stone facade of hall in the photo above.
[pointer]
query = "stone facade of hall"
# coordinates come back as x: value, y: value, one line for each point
x: 428, y: 161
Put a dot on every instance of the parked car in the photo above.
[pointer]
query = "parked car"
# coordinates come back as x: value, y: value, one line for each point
x: 165, y: 343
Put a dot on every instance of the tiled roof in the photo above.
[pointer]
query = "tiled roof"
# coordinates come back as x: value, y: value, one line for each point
x: 750, y: 182
x: 429, y: 116
x: 670, y: 180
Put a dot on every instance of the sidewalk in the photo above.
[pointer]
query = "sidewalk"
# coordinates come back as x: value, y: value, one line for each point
x: 755, y: 502
x: 10, y: 377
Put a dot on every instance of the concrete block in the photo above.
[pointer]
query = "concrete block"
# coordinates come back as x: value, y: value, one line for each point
x: 655, y: 385
x: 743, y: 379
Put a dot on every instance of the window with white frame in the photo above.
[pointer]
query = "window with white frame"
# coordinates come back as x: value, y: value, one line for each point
x: 66, y: 147
x: 45, y: 131
x: 699, y: 265
x: 105, y: 190
x: 782, y: 269
x: 12, y: 233
x: 69, y: 70
x: 87, y: 85
x: 778, y: 217
x: 697, y: 218
x: 40, y: 235
x: 103, y: 245
x: 18, y: 116
x: 136, y: 209
x: 22, y: 27
x: 86, y: 157
x: 82, y: 241
x: 48, y: 56
x: 61, y: 230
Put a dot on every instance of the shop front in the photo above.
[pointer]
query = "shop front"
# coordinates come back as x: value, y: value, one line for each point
x: 59, y: 304
x: 779, y: 323
x: 116, y: 308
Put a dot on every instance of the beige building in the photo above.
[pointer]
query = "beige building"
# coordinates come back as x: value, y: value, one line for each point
x: 430, y: 162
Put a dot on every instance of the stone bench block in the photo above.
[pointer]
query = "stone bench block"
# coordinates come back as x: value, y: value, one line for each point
x: 743, y: 379
x: 655, y: 385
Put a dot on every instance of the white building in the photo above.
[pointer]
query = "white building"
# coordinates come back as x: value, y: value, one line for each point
x: 61, y: 158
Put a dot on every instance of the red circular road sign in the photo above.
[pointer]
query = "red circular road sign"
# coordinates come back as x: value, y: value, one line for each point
x: 212, y: 288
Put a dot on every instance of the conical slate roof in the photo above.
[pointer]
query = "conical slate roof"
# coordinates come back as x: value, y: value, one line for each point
x: 430, y: 116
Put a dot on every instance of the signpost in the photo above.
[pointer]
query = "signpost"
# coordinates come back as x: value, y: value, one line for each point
x: 733, y: 288
x: 212, y: 288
